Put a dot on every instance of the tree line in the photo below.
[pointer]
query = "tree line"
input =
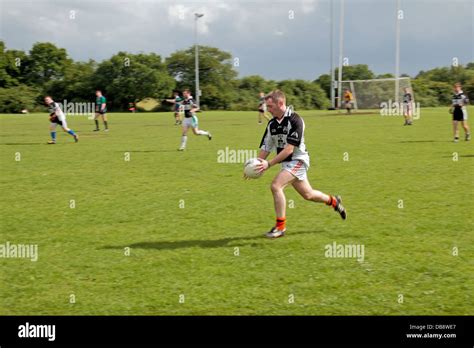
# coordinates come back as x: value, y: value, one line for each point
x: 25, y: 77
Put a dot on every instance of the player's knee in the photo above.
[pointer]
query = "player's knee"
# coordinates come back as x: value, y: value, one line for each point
x: 275, y: 187
x: 307, y: 195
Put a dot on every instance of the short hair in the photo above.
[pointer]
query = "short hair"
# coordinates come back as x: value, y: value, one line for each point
x: 47, y: 96
x: 98, y: 90
x: 187, y: 90
x: 276, y: 95
x: 457, y: 84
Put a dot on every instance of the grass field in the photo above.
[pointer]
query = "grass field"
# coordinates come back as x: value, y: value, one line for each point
x: 190, y: 250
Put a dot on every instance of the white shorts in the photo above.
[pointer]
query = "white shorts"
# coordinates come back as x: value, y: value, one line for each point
x: 407, y: 108
x: 190, y: 122
x: 297, y: 168
x: 63, y: 124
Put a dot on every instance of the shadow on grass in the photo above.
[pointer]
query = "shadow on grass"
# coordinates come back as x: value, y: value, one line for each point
x: 465, y: 156
x: 145, y: 151
x: 23, y: 143
x: 199, y: 243
x: 425, y: 141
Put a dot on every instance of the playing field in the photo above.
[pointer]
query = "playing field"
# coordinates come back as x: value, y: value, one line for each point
x: 194, y: 228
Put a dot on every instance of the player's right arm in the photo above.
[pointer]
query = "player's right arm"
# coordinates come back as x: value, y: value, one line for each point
x: 263, y: 154
x: 266, y: 145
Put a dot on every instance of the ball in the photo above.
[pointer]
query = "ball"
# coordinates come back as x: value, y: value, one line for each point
x: 250, y: 168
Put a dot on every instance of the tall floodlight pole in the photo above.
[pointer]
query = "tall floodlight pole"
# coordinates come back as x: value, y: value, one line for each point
x: 341, y: 45
x: 331, y: 40
x: 397, y: 53
x: 196, y: 57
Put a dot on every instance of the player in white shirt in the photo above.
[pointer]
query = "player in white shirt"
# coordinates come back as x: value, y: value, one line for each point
x: 190, y: 119
x: 285, y: 135
x: 57, y: 117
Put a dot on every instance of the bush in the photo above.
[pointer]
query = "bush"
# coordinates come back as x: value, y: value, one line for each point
x: 15, y: 99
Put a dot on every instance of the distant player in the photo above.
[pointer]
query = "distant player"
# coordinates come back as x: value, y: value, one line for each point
x: 407, y: 107
x: 348, y: 100
x: 177, y: 107
x: 100, y: 111
x: 285, y: 135
x: 262, y: 108
x: 57, y: 117
x: 190, y: 119
x: 459, y: 111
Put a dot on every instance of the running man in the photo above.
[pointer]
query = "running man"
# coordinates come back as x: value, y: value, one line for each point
x: 57, y: 116
x: 407, y: 107
x: 100, y: 110
x: 285, y: 134
x: 459, y: 111
x: 177, y: 107
x: 262, y: 108
x: 190, y: 119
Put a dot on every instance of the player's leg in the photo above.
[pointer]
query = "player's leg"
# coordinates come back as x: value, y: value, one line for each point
x: 466, y: 130
x: 283, y: 179
x: 184, y: 135
x: 69, y: 131
x: 104, y: 119
x: 52, y: 132
x: 96, y: 121
x: 176, y: 118
x: 304, y: 188
x: 455, y: 131
x: 197, y: 131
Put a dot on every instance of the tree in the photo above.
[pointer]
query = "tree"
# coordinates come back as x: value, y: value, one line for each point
x: 304, y: 95
x: 12, y: 66
x: 356, y: 72
x: 77, y: 84
x: 15, y: 99
x: 45, y: 63
x: 217, y: 77
x: 127, y: 77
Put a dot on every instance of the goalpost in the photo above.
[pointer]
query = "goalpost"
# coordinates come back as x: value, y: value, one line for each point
x: 369, y: 94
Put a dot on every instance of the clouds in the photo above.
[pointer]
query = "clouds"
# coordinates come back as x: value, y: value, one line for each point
x: 277, y: 39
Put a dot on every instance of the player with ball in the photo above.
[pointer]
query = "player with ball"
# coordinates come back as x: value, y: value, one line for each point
x: 285, y: 134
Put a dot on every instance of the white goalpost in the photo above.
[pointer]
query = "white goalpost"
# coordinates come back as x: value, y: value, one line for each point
x: 370, y: 94
x: 361, y: 98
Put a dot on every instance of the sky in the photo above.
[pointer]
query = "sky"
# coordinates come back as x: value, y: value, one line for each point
x: 277, y: 39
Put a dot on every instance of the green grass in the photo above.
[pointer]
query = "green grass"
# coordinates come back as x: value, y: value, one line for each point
x: 190, y: 251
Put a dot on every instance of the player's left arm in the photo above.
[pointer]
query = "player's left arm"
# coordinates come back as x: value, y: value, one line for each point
x: 194, y: 108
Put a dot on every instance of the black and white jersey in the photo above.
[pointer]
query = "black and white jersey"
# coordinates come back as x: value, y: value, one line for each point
x: 407, y: 98
x: 187, y: 105
x: 460, y: 99
x: 55, y: 108
x: 289, y: 130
